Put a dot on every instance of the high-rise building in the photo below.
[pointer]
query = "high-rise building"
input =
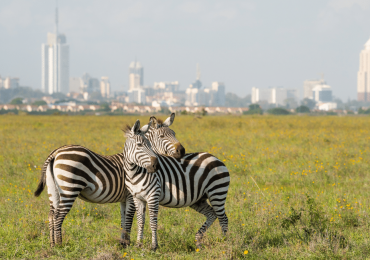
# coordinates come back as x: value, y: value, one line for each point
x: 322, y: 93
x: 55, y: 62
x: 136, y: 75
x: 217, y: 94
x: 75, y: 85
x: 10, y: 83
x: 278, y: 96
x: 308, y: 85
x: 105, y: 87
x: 136, y: 95
x: 363, y: 75
x: 90, y: 84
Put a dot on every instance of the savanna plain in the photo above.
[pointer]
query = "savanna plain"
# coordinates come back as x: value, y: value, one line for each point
x: 299, y: 189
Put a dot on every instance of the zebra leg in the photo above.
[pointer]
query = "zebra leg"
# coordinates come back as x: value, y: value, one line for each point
x: 60, y: 213
x: 140, y: 209
x: 51, y: 225
x: 127, y: 216
x: 153, y: 205
x: 204, y: 208
x: 219, y: 208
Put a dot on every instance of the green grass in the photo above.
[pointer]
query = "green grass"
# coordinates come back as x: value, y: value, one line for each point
x: 299, y: 189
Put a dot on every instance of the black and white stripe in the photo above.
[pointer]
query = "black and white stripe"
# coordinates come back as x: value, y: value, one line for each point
x: 189, y: 181
x: 74, y: 171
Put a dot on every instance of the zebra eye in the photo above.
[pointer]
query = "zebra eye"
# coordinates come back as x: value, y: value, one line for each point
x: 140, y: 145
x: 161, y: 136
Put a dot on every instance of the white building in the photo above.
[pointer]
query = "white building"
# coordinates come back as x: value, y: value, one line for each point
x: 55, y: 62
x: 322, y: 93
x: 136, y: 75
x: 9, y: 83
x: 136, y: 95
x: 278, y: 96
x: 105, y: 87
x: 214, y: 96
x: 327, y: 106
x: 218, y: 94
x: 363, y: 75
x: 166, y: 86
x: 308, y: 85
x: 75, y: 85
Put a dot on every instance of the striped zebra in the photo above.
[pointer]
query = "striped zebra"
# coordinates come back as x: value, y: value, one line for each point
x: 163, y: 139
x: 74, y: 171
x: 189, y: 181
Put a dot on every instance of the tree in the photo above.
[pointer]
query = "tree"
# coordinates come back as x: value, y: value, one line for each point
x: 104, y: 107
x: 254, y: 109
x: 278, y: 111
x: 39, y: 103
x: 310, y: 103
x: 302, y: 109
x: 17, y: 101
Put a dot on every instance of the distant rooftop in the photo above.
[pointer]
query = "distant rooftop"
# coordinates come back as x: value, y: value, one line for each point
x: 135, y: 65
x: 367, y: 45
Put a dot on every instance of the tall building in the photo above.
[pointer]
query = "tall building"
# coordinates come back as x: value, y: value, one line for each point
x: 75, y: 85
x: 322, y: 93
x: 9, y: 83
x: 278, y: 96
x: 308, y: 85
x: 90, y: 84
x: 105, y: 87
x: 363, y: 75
x: 218, y: 94
x: 55, y: 62
x: 136, y: 95
x: 136, y: 75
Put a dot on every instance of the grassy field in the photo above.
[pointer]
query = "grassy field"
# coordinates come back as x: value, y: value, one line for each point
x: 299, y: 189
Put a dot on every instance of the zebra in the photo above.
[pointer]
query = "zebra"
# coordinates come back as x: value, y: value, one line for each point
x: 163, y: 139
x: 188, y: 181
x: 74, y: 171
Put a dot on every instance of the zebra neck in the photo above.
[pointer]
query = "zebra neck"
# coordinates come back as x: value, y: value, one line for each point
x: 132, y: 169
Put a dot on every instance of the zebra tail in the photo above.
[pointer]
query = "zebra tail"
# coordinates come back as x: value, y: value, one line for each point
x: 42, y: 182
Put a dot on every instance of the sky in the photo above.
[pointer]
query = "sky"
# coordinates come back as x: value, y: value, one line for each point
x: 244, y: 44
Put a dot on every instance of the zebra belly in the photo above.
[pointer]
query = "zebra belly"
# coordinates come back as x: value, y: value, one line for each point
x: 183, y: 188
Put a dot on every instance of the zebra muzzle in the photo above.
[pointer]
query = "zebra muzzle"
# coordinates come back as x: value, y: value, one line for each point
x: 179, y: 151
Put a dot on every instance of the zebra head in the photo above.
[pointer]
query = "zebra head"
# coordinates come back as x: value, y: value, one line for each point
x: 163, y: 139
x: 138, y: 150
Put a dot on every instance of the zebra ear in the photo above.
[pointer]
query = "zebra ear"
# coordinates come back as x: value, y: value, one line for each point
x: 154, y: 121
x: 169, y: 120
x: 145, y: 128
x: 136, y: 128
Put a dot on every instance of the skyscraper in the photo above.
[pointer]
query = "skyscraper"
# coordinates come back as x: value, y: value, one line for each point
x: 136, y: 75
x: 105, y: 87
x: 308, y: 86
x: 55, y: 62
x: 363, y: 75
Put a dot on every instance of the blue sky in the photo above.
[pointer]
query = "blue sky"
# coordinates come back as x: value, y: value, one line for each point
x: 242, y: 43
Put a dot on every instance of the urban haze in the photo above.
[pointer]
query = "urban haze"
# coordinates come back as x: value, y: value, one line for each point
x: 246, y: 46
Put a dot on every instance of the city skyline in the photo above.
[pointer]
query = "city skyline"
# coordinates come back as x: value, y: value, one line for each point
x: 253, y: 47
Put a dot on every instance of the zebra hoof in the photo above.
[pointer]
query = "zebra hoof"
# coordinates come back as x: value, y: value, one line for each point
x: 139, y: 244
x: 125, y: 243
x: 154, y: 248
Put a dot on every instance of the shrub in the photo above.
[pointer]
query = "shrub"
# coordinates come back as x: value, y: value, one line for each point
x: 302, y: 109
x: 17, y: 101
x: 278, y: 111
